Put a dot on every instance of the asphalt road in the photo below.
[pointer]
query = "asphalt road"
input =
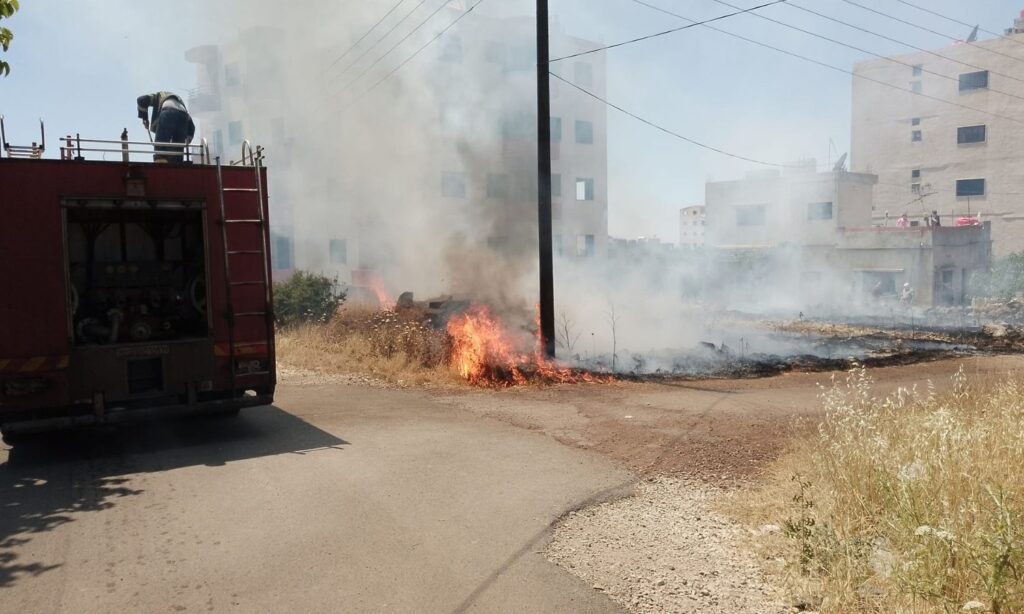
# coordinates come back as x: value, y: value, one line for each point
x: 339, y: 499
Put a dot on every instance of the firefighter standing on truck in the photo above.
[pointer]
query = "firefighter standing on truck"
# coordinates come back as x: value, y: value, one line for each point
x: 170, y: 122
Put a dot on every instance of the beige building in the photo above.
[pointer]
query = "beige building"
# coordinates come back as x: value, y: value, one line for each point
x: 454, y: 146
x: 797, y: 207
x: 959, y: 158
x: 692, y: 227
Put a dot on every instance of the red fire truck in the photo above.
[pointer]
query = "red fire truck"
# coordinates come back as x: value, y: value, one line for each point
x: 131, y: 288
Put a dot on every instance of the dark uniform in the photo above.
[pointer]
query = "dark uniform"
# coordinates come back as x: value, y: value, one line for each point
x: 170, y: 123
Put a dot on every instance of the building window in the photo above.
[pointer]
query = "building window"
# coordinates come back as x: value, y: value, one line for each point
x: 915, y: 188
x: 232, y: 75
x: 339, y: 251
x: 277, y: 130
x: 915, y: 121
x: 556, y: 185
x: 915, y: 86
x: 819, y: 211
x: 520, y: 126
x: 453, y: 185
x: 497, y: 186
x: 522, y: 58
x: 584, y: 132
x: 916, y: 70
x: 281, y: 256
x: 584, y: 74
x: 974, y: 81
x: 915, y: 136
x: 556, y: 129
x: 584, y: 246
x: 584, y: 189
x: 494, y: 52
x: 452, y: 50
x: 218, y: 143
x: 750, y: 215
x: 970, y: 134
x: 915, y: 174
x: 235, y: 133
x: 970, y: 187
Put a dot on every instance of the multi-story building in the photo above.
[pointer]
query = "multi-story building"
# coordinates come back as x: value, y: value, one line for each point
x: 443, y: 151
x: 811, y: 238
x: 798, y: 207
x: 951, y: 142
x: 692, y: 227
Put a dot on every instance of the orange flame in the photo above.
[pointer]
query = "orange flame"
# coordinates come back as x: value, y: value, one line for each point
x: 484, y: 354
x: 383, y: 296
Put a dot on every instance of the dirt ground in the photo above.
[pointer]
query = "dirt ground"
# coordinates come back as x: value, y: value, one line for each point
x: 714, y: 430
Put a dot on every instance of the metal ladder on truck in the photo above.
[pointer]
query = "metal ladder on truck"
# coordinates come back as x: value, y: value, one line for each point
x: 227, y: 224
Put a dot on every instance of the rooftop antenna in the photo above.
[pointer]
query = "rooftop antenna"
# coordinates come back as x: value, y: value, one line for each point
x: 840, y: 165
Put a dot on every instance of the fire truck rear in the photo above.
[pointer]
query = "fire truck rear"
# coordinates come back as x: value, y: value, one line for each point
x: 130, y: 288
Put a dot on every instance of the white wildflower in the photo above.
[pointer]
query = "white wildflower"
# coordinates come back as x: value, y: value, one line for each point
x: 923, y: 530
x: 945, y: 536
x: 970, y: 606
x: 912, y: 472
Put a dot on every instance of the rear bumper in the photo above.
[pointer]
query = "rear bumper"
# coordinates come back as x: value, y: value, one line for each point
x: 37, y: 422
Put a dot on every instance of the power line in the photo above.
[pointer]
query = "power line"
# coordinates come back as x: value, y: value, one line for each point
x: 363, y: 37
x: 832, y: 67
x: 957, y: 21
x: 444, y: 4
x: 672, y: 31
x: 366, y: 51
x: 862, y: 50
x: 899, y: 42
x: 666, y: 130
x: 415, y: 53
x: 935, y: 32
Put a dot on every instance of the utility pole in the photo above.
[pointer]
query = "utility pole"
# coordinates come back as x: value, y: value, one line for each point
x: 544, y: 225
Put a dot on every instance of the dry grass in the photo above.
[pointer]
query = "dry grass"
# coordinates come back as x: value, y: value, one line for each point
x: 912, y: 503
x: 397, y: 347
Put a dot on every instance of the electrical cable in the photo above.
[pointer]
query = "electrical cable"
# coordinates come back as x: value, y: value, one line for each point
x: 935, y: 32
x: 833, y: 67
x: 862, y: 50
x: 899, y: 42
x: 363, y: 37
x: 957, y: 21
x: 362, y: 55
x: 666, y: 130
x: 672, y: 31
x: 415, y: 53
x: 440, y: 7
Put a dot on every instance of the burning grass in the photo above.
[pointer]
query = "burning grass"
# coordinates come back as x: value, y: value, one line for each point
x: 911, y: 503
x: 402, y: 346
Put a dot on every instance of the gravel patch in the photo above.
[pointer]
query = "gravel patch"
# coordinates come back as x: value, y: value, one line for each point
x: 665, y: 550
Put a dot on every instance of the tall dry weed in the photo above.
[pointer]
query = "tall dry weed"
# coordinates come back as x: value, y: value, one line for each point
x: 909, y: 503
x: 396, y: 346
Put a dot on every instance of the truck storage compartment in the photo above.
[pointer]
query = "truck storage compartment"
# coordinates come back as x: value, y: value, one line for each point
x: 137, y: 271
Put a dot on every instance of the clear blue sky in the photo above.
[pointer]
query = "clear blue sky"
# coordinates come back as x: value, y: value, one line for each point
x: 80, y: 65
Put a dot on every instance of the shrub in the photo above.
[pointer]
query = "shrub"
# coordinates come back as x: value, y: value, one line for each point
x: 1005, y: 280
x: 306, y: 298
x: 912, y: 503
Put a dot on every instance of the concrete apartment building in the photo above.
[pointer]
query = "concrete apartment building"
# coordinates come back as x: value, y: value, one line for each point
x: 930, y: 155
x: 475, y: 115
x: 799, y: 207
x: 692, y: 227
x: 814, y: 235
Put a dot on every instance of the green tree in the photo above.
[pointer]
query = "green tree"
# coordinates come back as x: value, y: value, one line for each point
x: 1004, y: 281
x: 7, y: 9
x: 306, y: 297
